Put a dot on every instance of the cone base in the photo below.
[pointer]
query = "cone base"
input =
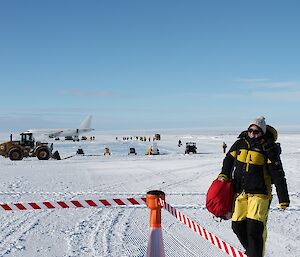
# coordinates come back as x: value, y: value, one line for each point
x: 155, y: 243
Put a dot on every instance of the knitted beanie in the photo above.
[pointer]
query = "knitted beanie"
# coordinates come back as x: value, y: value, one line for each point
x: 259, y: 122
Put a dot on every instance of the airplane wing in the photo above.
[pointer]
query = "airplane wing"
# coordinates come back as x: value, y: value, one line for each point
x: 46, y: 132
x: 55, y: 134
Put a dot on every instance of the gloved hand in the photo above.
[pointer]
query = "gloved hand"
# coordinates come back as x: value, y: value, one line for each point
x: 283, y: 206
x: 222, y: 177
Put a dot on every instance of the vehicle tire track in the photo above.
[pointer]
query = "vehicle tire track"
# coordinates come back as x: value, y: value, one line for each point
x: 178, y: 179
x: 135, y: 232
x: 105, y: 232
x: 80, y: 241
x: 94, y: 235
x: 110, y: 234
x: 15, y: 229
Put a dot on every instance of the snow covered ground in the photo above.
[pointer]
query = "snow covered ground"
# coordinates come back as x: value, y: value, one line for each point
x: 124, y: 231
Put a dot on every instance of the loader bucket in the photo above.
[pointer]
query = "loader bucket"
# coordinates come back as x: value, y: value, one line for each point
x: 56, y: 156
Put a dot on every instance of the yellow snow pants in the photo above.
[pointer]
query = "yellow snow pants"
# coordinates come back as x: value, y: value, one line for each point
x: 249, y: 220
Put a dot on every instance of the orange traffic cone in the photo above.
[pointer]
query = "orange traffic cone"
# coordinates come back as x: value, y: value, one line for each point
x: 155, y: 243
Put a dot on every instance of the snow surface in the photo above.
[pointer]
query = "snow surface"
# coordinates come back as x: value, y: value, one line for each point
x: 124, y: 231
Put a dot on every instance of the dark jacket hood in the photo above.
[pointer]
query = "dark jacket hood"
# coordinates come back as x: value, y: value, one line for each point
x: 271, y: 134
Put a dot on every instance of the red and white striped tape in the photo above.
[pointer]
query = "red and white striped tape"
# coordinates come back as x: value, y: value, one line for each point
x: 225, y: 247
x: 72, y: 204
x: 232, y: 251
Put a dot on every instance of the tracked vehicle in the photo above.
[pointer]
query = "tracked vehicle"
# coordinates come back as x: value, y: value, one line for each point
x: 26, y: 147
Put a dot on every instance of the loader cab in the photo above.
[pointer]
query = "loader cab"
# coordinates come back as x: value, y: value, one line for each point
x: 27, y: 139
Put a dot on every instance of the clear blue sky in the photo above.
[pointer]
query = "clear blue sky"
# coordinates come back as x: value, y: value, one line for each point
x: 136, y: 64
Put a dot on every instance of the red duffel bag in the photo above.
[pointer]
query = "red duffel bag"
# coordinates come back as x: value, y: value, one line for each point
x: 219, y: 199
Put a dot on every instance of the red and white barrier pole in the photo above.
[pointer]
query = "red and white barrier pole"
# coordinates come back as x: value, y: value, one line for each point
x: 155, y: 243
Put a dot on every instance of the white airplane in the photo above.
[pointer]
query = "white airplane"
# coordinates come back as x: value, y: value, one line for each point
x: 84, y: 127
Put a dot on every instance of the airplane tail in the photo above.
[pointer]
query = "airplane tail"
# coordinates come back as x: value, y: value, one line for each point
x: 86, y: 123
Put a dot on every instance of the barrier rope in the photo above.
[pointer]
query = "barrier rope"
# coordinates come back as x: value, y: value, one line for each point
x: 216, y: 241
x: 72, y: 204
x: 225, y: 247
x: 92, y: 202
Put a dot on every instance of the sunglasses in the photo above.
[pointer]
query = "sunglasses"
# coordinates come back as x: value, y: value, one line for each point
x: 254, y: 131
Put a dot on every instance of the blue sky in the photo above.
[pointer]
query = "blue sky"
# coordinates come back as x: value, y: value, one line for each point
x: 149, y: 64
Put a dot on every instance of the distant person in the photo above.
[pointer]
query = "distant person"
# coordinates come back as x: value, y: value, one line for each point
x: 253, y: 164
x: 149, y: 150
x: 179, y: 143
x: 224, y: 147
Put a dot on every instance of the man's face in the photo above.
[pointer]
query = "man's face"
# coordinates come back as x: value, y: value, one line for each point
x: 254, y: 131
